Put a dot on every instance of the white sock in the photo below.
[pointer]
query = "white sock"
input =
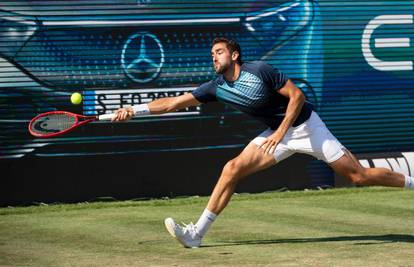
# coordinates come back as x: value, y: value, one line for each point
x: 409, y: 182
x: 206, y: 219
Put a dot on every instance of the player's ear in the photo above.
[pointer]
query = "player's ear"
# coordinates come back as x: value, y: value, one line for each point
x: 235, y: 55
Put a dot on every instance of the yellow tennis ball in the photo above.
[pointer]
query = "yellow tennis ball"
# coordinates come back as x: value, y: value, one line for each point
x: 76, y: 98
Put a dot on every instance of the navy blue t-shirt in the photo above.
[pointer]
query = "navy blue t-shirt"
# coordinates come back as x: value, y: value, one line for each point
x: 254, y: 93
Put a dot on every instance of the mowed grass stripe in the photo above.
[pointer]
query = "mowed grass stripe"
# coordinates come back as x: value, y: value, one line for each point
x: 193, y: 200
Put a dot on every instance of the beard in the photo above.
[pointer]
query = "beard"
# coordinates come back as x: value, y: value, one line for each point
x: 221, y: 68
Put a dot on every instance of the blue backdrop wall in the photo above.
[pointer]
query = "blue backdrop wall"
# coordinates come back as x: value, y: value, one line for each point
x: 353, y: 60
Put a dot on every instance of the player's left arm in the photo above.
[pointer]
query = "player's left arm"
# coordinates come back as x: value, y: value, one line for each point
x: 296, y: 101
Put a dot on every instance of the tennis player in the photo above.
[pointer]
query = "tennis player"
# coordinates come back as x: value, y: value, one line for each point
x: 266, y: 94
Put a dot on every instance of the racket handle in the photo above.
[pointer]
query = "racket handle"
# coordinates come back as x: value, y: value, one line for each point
x: 106, y: 117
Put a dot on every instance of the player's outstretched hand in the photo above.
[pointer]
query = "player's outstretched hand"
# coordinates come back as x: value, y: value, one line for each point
x: 123, y: 114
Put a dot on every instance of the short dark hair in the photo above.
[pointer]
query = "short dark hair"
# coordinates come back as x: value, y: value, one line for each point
x: 231, y: 44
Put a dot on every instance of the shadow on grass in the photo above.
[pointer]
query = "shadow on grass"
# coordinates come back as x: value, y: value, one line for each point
x: 360, y: 240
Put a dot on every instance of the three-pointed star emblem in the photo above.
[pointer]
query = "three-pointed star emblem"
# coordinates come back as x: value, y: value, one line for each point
x: 142, y: 57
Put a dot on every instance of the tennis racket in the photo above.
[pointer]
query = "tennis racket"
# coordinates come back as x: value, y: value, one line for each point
x: 55, y: 123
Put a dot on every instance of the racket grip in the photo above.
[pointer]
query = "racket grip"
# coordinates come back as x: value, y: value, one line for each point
x: 105, y: 117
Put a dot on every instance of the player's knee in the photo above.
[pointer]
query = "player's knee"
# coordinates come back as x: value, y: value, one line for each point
x: 232, y: 169
x: 359, y: 177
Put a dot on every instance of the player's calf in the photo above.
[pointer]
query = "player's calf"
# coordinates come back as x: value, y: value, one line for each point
x: 348, y: 166
x: 381, y: 177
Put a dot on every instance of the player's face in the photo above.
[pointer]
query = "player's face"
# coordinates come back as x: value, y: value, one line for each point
x: 221, y: 57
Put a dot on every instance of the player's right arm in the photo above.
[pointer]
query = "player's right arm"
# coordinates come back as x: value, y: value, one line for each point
x: 159, y: 106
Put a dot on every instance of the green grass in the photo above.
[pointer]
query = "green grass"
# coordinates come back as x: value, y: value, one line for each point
x: 341, y: 227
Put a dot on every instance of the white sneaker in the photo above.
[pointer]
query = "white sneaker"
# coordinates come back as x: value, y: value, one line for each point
x: 186, y: 235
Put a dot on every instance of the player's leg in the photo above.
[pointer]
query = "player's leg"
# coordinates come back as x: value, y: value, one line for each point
x: 348, y: 166
x: 250, y: 160
x: 319, y: 142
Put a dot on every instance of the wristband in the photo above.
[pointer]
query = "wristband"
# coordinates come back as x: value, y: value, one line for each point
x: 141, y: 110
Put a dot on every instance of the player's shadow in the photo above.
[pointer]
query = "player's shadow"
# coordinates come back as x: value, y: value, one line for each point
x: 359, y: 240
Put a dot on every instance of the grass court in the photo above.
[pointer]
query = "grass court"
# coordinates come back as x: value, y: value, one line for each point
x: 335, y: 227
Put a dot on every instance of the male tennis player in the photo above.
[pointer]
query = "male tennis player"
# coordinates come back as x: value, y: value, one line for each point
x: 266, y: 94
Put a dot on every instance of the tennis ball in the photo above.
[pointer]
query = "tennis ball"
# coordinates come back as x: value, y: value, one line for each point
x: 76, y: 98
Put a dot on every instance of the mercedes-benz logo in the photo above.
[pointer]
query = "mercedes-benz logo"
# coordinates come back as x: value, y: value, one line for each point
x: 142, y: 57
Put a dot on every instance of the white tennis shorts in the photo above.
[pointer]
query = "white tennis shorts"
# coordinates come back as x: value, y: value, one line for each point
x: 311, y: 137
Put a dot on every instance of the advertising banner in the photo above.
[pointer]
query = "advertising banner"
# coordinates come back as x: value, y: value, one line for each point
x: 352, y: 59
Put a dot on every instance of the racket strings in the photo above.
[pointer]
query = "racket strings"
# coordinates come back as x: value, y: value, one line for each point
x: 53, y: 123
